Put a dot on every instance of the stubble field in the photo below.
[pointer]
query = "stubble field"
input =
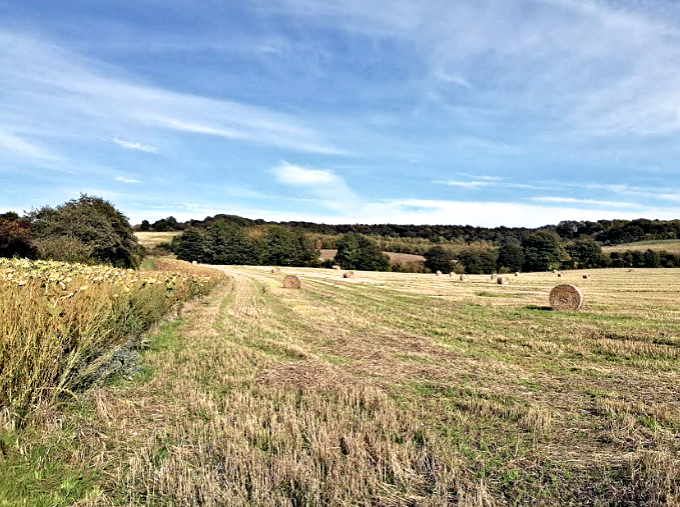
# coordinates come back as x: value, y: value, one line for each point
x: 397, y: 389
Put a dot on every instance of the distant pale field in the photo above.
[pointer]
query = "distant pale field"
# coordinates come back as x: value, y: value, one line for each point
x: 328, y: 253
x: 152, y: 239
x: 650, y: 293
x: 669, y: 245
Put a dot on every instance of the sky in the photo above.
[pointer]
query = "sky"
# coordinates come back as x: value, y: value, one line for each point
x: 479, y: 112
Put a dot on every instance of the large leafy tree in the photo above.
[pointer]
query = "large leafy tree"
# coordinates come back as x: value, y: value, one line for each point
x: 88, y: 224
x: 283, y: 246
x: 230, y: 244
x: 192, y: 245
x: 586, y: 253
x: 361, y: 253
x: 542, y: 251
x: 16, y: 236
x: 478, y: 261
x: 439, y: 258
x: 510, y: 256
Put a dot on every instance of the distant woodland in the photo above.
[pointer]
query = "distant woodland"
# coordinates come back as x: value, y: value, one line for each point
x: 91, y: 230
x: 446, y: 248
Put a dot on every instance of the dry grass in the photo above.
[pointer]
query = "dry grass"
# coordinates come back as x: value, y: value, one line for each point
x: 60, y: 320
x: 396, y: 390
x: 669, y: 245
x: 153, y: 239
x: 327, y: 253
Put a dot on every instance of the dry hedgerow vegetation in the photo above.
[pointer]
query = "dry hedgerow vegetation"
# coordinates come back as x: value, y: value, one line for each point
x: 60, y: 321
x: 386, y: 389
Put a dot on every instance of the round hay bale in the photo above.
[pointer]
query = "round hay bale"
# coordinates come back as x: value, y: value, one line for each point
x: 337, y: 267
x: 464, y: 278
x: 291, y: 282
x: 631, y: 270
x: 493, y: 277
x: 502, y: 280
x: 194, y: 262
x: 438, y: 273
x: 586, y: 276
x: 276, y: 270
x: 517, y: 273
x: 348, y: 274
x: 559, y: 275
x: 566, y: 297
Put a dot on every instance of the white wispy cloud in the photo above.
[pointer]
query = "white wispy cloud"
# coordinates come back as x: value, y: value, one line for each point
x: 22, y: 147
x: 465, y: 184
x: 130, y: 145
x: 574, y: 200
x: 76, y: 96
x: 327, y: 187
x: 123, y: 179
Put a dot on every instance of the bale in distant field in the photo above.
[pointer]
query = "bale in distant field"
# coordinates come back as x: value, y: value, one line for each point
x: 631, y: 270
x: 464, y: 278
x: 348, y: 274
x: 559, y: 275
x: 517, y: 273
x: 194, y: 262
x: 493, y: 277
x: 502, y: 280
x: 566, y: 297
x: 438, y: 273
x: 337, y: 267
x: 291, y: 282
x: 276, y: 270
x: 586, y: 276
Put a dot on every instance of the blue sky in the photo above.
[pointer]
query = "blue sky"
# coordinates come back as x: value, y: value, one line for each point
x: 517, y: 113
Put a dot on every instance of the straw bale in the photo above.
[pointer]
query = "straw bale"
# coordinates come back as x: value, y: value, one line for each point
x: 291, y: 282
x: 566, y: 297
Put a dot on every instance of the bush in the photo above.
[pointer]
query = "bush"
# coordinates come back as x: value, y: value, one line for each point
x: 16, y: 237
x: 86, y: 223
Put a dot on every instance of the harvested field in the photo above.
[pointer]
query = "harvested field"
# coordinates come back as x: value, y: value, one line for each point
x: 328, y: 253
x: 669, y: 245
x: 395, y: 390
x: 153, y: 239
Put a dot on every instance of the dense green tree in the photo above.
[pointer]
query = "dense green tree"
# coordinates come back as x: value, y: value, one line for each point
x: 439, y: 258
x: 91, y: 222
x: 192, y: 245
x: 510, y: 256
x: 230, y: 244
x: 652, y: 259
x: 361, y: 253
x: 144, y: 226
x: 16, y: 237
x: 478, y: 261
x: 542, y: 251
x: 586, y: 253
x: 283, y: 246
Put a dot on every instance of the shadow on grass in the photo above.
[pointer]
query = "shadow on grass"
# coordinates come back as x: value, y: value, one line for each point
x: 539, y: 308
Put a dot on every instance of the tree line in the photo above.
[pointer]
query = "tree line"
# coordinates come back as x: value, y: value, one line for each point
x: 405, y: 237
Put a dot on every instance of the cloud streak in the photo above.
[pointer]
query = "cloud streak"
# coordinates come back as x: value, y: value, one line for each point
x: 74, y: 95
x: 130, y: 145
